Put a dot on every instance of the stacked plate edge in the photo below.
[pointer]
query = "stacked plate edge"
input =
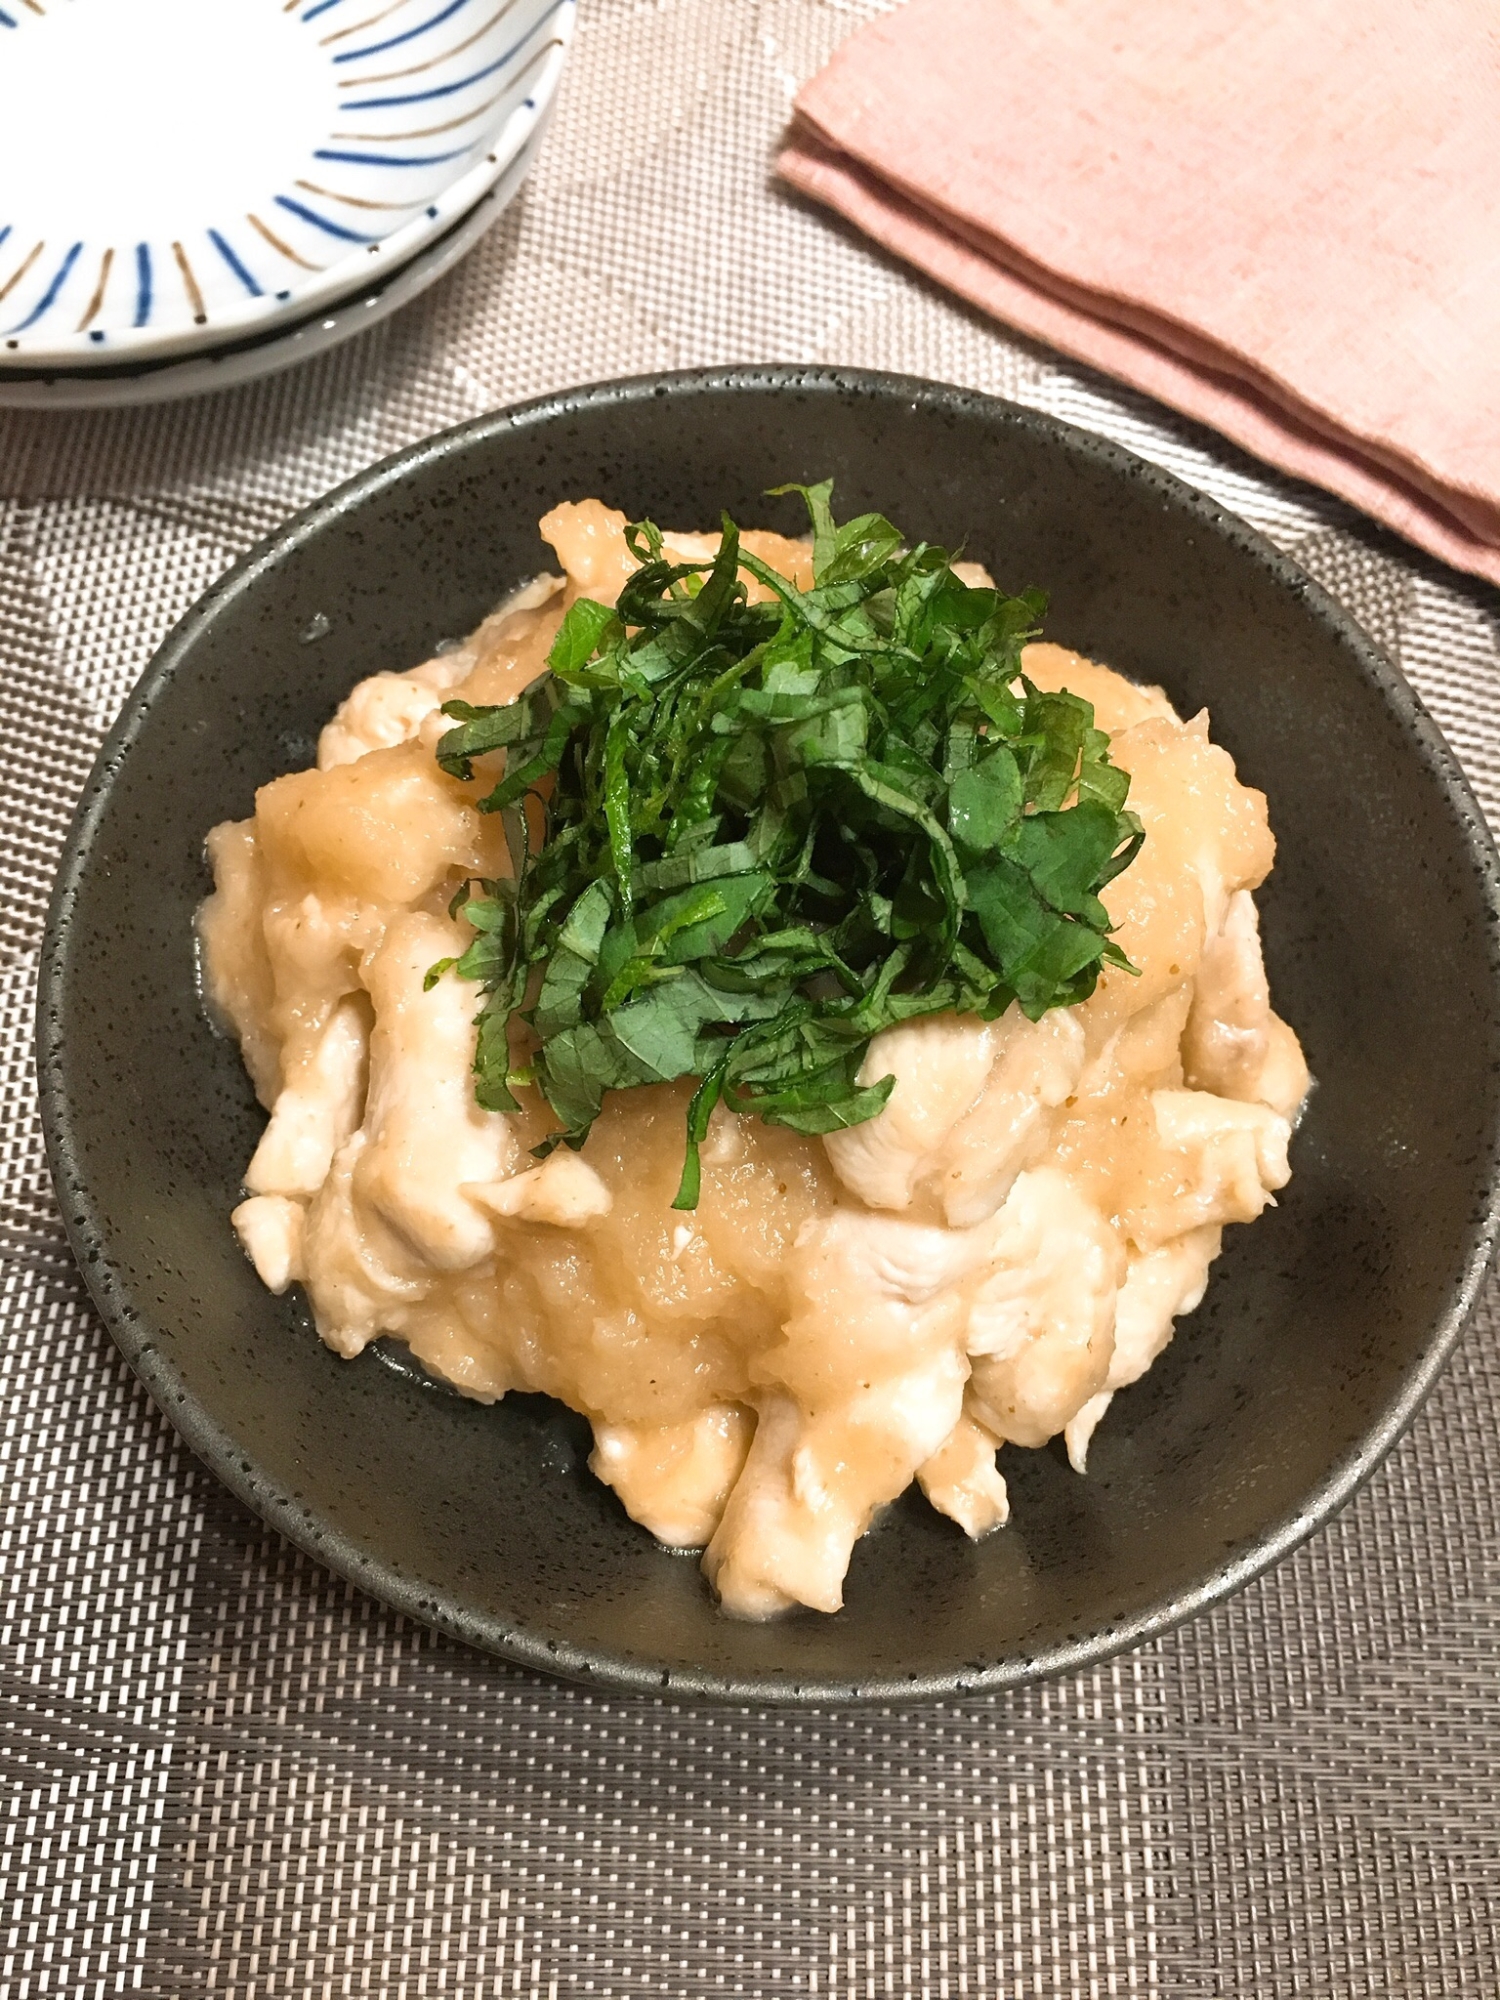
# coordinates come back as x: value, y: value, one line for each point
x: 193, y: 196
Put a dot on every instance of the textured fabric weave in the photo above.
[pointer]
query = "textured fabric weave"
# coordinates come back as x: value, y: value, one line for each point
x: 226, y: 1772
x: 1279, y: 216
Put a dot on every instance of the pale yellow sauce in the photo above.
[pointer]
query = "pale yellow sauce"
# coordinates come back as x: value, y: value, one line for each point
x: 989, y: 1260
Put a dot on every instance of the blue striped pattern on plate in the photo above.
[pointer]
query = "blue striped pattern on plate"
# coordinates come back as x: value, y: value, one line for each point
x: 425, y: 102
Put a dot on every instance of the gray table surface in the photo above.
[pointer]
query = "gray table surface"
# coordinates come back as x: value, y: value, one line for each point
x: 227, y: 1772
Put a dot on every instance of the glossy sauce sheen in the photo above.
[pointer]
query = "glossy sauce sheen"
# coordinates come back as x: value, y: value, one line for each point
x: 988, y: 1261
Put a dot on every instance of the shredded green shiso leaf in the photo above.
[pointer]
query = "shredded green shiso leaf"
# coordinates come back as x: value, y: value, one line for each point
x: 772, y: 830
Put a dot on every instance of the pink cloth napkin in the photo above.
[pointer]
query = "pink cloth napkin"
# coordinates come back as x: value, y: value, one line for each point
x: 1280, y: 216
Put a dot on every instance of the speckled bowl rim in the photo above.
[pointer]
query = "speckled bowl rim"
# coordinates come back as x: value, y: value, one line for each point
x: 130, y: 1325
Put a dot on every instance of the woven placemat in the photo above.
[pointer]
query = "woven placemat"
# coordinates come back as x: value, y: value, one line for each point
x: 227, y: 1772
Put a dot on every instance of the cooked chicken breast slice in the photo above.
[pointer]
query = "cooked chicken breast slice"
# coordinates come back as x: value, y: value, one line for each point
x: 967, y: 1111
x: 1041, y: 1326
x: 317, y: 1107
x: 1160, y: 1286
x: 962, y: 1480
x: 428, y: 1138
x: 675, y: 1478
x: 864, y: 1387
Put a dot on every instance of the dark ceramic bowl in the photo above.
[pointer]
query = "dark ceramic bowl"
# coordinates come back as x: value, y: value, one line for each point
x: 1324, y: 1325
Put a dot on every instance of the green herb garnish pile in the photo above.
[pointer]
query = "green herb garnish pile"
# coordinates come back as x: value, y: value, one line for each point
x: 772, y: 830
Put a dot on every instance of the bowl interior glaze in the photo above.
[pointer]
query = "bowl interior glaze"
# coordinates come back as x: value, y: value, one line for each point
x: 1324, y: 1324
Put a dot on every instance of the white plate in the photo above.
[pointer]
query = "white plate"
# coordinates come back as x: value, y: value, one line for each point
x: 166, y: 381
x: 178, y: 174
